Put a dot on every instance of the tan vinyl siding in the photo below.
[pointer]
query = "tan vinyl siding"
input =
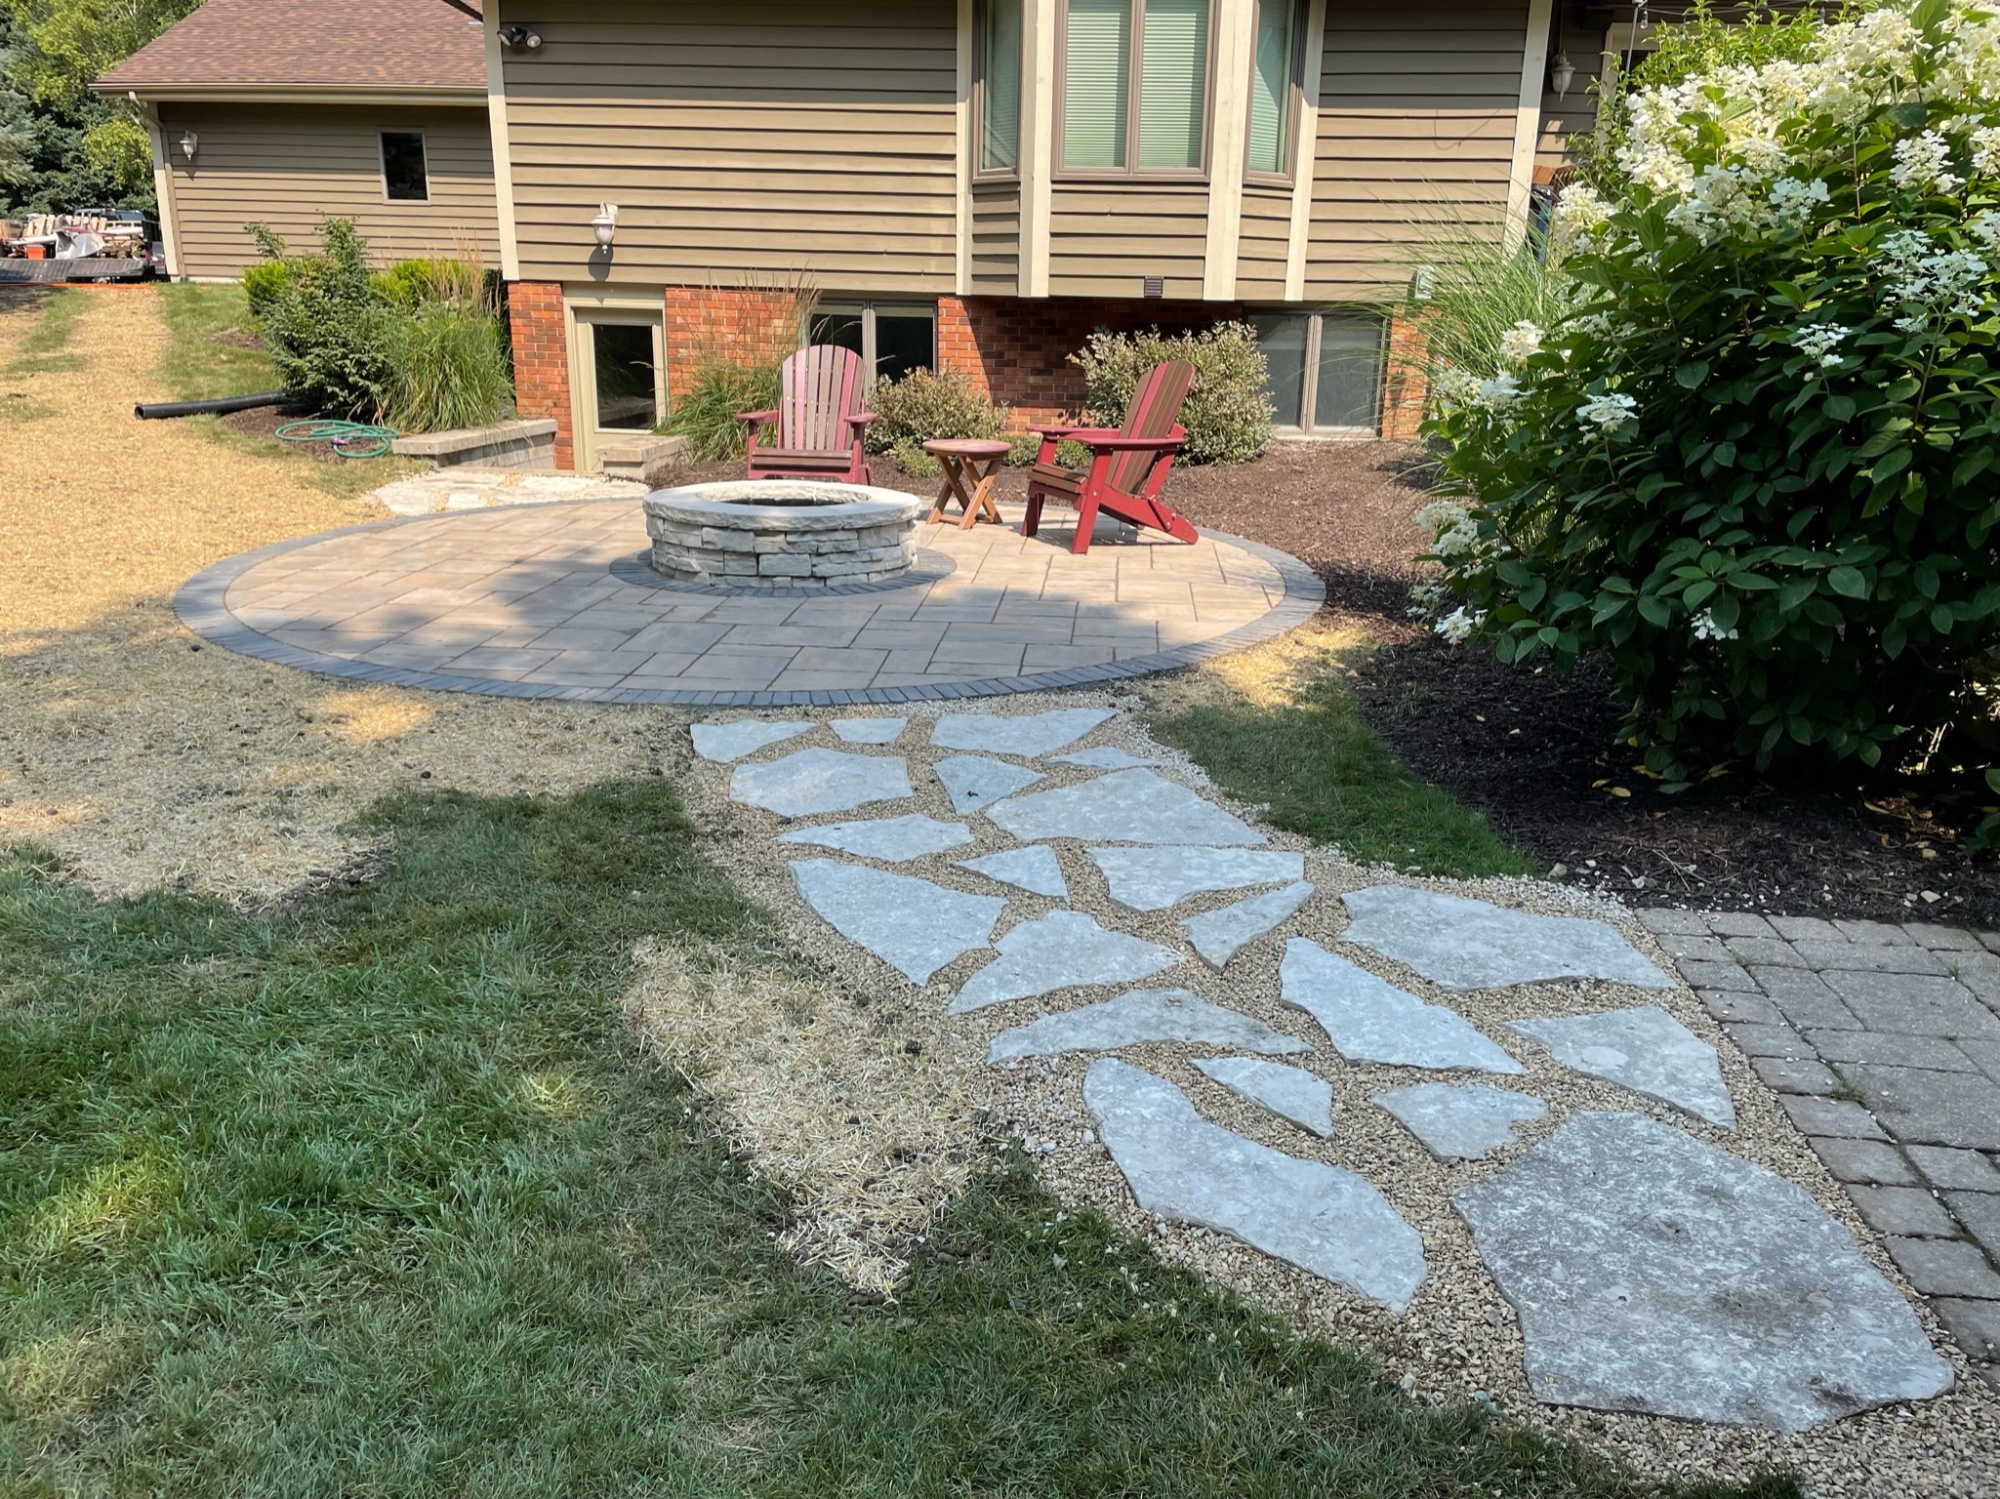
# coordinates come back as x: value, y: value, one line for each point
x: 1575, y: 113
x: 1264, y: 242
x: 290, y: 165
x: 757, y: 141
x: 996, y: 239
x: 1106, y: 238
x: 1416, y: 136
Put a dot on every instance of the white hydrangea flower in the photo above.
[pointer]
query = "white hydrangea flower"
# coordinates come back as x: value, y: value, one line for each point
x: 1986, y: 151
x: 1502, y: 390
x: 1924, y: 162
x: 1457, y: 626
x: 1820, y: 341
x: 1520, y: 343
x: 1607, y: 411
x: 1579, y: 211
x: 1704, y: 627
x: 1928, y: 282
x: 1793, y: 201
x: 1985, y: 228
x: 1453, y: 389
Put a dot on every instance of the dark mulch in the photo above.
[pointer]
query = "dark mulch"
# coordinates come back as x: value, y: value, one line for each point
x: 264, y: 421
x: 1540, y: 755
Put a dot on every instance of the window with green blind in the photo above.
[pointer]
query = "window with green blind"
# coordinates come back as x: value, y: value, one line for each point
x: 1118, y: 54
x: 1271, y: 87
x: 1000, y: 86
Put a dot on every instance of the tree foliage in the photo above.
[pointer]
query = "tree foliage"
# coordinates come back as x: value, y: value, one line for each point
x: 61, y: 146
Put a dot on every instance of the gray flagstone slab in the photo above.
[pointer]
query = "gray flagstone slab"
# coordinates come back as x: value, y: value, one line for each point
x: 1180, y: 1166
x: 974, y: 781
x: 1152, y: 879
x: 1127, y: 806
x: 1062, y: 950
x: 1644, y: 1049
x: 820, y: 780
x: 1219, y: 935
x: 1369, y: 1019
x: 894, y: 839
x: 1289, y: 1092
x: 1033, y: 869
x: 1023, y: 734
x: 732, y: 741
x: 914, y: 926
x: 1102, y: 757
x: 1461, y: 1121
x: 1654, y: 1272
x: 1138, y: 1017
x: 868, y: 730
x: 1471, y: 944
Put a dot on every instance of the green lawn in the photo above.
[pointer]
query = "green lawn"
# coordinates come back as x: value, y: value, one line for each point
x: 380, y: 1199
x: 41, y: 349
x: 1327, y: 775
x: 199, y: 367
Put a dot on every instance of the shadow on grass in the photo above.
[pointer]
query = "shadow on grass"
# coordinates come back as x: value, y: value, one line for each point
x: 381, y: 1198
x: 1306, y: 751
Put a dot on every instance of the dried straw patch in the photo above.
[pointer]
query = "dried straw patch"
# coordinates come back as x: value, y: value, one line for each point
x: 1269, y: 675
x: 147, y: 759
x: 855, y: 1110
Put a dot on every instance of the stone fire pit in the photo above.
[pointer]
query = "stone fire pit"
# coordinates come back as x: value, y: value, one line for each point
x: 782, y: 533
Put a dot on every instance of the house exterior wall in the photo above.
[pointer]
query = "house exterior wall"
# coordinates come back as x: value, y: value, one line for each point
x: 540, y: 334
x: 1415, y: 142
x: 771, y: 139
x: 291, y: 165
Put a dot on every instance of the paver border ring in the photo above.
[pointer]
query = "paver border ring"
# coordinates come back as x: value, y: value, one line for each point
x: 202, y: 605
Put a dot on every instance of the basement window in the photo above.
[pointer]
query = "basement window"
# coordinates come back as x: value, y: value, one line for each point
x: 406, y: 176
x: 1325, y: 371
x: 892, y: 338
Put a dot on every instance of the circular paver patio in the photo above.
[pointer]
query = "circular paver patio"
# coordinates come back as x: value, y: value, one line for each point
x: 556, y: 601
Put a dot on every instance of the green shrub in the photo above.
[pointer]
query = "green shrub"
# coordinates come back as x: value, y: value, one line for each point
x: 1227, y: 415
x: 922, y: 407
x: 419, y: 345
x: 705, y: 414
x: 333, y: 339
x: 451, y: 369
x: 265, y: 282
x: 1755, y: 465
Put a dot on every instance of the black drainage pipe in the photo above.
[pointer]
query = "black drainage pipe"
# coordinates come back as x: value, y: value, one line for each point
x: 154, y: 411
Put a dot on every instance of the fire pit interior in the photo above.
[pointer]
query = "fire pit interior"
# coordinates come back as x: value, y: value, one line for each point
x: 782, y: 533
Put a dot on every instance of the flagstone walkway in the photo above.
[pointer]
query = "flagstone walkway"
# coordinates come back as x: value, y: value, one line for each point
x: 1625, y: 1192
x: 558, y: 601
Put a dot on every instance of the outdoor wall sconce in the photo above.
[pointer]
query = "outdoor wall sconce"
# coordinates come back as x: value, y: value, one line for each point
x: 189, y: 142
x: 1562, y: 73
x: 1423, y: 283
x: 520, y: 38
x: 605, y: 225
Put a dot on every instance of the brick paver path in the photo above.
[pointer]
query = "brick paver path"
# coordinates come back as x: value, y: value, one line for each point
x: 1883, y: 1044
x: 553, y: 601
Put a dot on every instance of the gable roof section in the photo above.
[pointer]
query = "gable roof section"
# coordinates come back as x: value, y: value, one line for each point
x: 233, y: 48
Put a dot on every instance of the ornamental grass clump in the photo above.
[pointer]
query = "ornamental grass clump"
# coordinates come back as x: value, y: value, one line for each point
x: 1756, y: 460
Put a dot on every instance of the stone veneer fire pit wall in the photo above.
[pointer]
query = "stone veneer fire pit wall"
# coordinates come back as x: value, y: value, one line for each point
x: 781, y: 533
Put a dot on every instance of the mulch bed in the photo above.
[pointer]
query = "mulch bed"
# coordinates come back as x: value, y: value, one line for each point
x: 1540, y: 755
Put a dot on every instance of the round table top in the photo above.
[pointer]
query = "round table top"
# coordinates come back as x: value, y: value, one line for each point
x: 965, y: 447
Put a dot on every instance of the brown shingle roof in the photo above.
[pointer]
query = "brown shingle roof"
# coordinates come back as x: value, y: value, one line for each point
x: 326, y: 43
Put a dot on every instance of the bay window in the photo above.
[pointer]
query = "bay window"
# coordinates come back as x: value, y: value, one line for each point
x: 1135, y: 86
x: 1273, y: 66
x: 997, y: 71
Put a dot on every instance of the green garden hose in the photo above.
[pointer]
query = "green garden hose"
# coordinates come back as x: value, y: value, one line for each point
x: 348, y: 439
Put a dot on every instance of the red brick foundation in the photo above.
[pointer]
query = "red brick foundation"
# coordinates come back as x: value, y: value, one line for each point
x: 541, y: 360
x: 1017, y: 352
x: 755, y: 326
x: 1406, y: 386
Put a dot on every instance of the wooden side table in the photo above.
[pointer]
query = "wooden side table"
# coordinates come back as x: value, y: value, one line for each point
x: 970, y: 466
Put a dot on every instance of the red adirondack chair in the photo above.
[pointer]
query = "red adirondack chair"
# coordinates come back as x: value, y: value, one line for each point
x: 819, y: 419
x: 1127, y: 467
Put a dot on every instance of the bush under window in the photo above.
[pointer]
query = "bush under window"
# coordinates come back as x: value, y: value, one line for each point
x: 1227, y: 415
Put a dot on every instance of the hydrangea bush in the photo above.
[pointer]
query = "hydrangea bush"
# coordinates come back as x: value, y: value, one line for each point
x: 1756, y: 460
